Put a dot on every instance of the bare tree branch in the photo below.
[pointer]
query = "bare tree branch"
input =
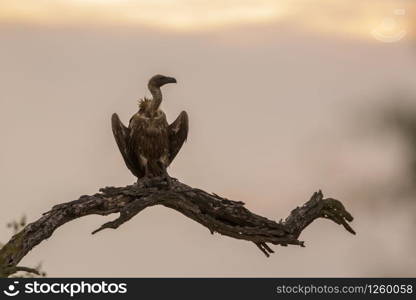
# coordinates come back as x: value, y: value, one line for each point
x: 218, y: 214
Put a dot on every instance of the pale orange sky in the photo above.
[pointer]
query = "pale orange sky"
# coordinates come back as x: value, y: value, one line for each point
x: 271, y: 121
x: 356, y: 18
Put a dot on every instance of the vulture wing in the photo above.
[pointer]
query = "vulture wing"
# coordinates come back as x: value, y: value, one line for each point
x: 121, y: 134
x: 178, y: 132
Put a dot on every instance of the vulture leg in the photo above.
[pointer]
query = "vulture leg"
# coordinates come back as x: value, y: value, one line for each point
x: 165, y: 174
x: 121, y: 135
x: 178, y: 132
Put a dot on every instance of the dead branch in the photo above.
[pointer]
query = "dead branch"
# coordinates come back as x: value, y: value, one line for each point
x: 218, y: 214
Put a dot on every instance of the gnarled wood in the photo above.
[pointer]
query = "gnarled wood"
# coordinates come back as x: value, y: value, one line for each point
x: 218, y: 214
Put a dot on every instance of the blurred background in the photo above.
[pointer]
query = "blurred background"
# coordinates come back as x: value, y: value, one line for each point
x: 284, y: 97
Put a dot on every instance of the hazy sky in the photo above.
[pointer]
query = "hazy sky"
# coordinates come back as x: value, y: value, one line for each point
x: 352, y: 17
x: 280, y: 99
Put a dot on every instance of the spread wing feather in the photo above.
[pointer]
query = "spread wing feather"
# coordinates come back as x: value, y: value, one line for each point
x: 178, y: 132
x: 121, y: 135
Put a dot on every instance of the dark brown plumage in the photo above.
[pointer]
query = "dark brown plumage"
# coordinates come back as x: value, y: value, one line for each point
x: 149, y: 144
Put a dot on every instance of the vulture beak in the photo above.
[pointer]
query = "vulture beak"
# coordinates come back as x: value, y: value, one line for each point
x: 170, y: 80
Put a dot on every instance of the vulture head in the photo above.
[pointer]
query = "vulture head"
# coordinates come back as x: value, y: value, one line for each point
x: 154, y: 87
x: 159, y: 80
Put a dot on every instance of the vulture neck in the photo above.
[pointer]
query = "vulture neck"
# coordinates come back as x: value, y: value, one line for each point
x: 157, y: 97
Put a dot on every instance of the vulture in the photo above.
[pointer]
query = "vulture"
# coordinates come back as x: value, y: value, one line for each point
x: 149, y: 144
